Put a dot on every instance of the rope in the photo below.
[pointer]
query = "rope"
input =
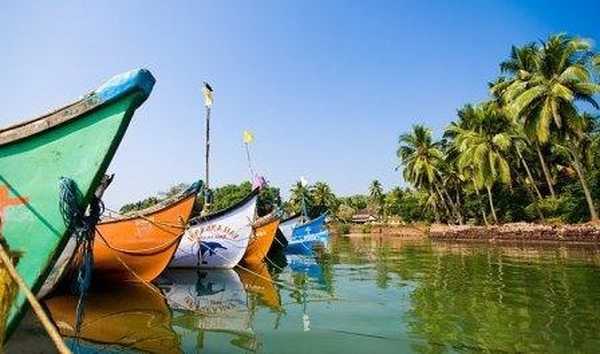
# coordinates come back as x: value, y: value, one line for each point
x: 35, y: 305
x: 158, y: 224
x: 81, y: 224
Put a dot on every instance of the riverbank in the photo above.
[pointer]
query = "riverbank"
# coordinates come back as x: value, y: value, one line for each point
x: 513, y: 232
x: 582, y: 233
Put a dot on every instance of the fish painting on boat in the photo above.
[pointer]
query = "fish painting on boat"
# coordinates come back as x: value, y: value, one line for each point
x: 71, y: 146
x: 218, y: 240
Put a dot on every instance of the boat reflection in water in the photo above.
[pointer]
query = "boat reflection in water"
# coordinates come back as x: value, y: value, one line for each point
x: 214, y: 309
x: 132, y: 318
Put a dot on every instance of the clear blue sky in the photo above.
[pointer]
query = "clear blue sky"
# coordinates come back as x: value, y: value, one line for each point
x: 326, y: 87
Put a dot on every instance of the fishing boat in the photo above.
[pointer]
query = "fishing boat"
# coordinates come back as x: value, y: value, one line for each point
x: 286, y: 226
x: 131, y: 318
x: 210, y: 306
x: 218, y: 240
x: 308, y: 236
x: 52, y: 164
x: 139, y: 246
x: 261, y: 239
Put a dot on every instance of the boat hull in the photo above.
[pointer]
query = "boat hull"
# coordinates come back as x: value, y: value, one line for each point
x: 78, y: 142
x: 140, y: 247
x: 308, y: 236
x: 261, y: 242
x: 217, y: 241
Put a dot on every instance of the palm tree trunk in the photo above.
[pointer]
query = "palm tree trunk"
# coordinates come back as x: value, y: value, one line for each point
x: 443, y: 200
x: 483, y: 213
x: 491, y: 200
x: 545, y: 169
x: 529, y: 175
x: 457, y: 214
x: 530, y: 193
x: 584, y: 185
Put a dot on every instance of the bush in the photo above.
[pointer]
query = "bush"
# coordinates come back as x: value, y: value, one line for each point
x: 366, y: 229
x: 343, y: 229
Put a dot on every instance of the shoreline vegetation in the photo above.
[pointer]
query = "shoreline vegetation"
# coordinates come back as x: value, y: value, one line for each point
x: 523, y: 164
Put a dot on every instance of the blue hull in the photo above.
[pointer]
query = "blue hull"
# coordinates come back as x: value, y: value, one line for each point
x: 308, y: 236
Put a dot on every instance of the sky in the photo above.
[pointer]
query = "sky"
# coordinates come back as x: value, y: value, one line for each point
x: 325, y: 86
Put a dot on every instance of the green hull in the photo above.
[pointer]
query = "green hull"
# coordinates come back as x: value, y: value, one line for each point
x: 79, y: 148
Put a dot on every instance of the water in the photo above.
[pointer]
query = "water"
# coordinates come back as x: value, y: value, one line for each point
x: 367, y: 295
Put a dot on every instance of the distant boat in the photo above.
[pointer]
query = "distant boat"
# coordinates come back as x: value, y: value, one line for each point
x: 286, y: 226
x: 131, y: 318
x: 262, y: 239
x: 218, y: 240
x: 139, y: 246
x: 309, y: 235
x: 77, y: 142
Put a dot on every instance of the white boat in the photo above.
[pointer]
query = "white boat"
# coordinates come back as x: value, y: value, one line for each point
x: 217, y: 240
x: 287, y: 226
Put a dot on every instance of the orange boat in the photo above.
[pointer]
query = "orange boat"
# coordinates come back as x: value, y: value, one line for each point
x: 139, y: 246
x: 134, y: 317
x: 261, y: 239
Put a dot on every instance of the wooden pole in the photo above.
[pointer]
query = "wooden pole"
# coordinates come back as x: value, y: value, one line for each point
x: 35, y: 305
x: 208, y: 101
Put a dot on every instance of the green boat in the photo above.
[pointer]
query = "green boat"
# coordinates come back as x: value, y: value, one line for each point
x: 77, y: 142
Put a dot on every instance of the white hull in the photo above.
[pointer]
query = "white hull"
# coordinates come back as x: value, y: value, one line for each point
x: 219, y: 241
x: 287, y: 227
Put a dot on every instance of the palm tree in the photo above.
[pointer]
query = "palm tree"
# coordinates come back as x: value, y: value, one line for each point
x: 376, y: 196
x: 545, y: 100
x: 483, y: 150
x: 323, y: 198
x: 300, y: 198
x: 522, y: 64
x: 420, y: 157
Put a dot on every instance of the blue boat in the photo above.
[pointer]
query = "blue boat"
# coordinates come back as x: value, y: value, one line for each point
x: 308, y: 236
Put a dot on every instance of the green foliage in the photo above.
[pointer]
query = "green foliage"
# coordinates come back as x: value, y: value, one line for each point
x: 343, y: 229
x: 345, y: 213
x: 153, y: 200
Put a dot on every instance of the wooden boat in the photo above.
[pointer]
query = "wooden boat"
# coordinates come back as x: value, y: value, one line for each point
x: 134, y: 317
x: 286, y: 226
x: 78, y: 142
x: 308, y: 236
x: 140, y: 245
x: 218, y: 240
x: 261, y: 239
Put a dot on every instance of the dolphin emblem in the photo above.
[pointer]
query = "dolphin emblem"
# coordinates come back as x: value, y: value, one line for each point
x: 210, y: 248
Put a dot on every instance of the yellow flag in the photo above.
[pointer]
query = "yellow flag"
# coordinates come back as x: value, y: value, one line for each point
x: 248, y: 137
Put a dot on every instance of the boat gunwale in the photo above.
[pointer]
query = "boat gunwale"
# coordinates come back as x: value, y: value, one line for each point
x: 151, y: 210
x: 200, y: 219
x: 78, y: 108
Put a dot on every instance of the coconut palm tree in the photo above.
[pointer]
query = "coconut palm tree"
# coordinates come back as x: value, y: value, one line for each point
x: 300, y: 198
x: 522, y: 64
x: 323, y: 198
x: 545, y: 101
x: 483, y: 150
x: 420, y: 157
x: 376, y: 196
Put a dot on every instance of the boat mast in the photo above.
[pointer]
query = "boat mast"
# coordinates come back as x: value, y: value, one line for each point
x: 207, y: 92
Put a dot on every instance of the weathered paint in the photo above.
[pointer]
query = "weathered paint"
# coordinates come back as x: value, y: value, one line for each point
x: 140, y: 247
x: 30, y: 168
x: 261, y: 242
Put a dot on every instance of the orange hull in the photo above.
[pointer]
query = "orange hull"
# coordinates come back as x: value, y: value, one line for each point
x: 140, y: 247
x: 261, y: 242
x: 134, y: 316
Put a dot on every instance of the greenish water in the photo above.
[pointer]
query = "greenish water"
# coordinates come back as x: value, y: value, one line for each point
x: 367, y: 295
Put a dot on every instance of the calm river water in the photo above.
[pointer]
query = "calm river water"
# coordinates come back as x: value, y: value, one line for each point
x: 369, y: 294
